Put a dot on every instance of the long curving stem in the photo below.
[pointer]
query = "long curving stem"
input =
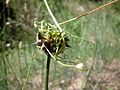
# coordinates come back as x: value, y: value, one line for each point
x: 89, y: 12
x: 47, y: 71
x: 51, y: 14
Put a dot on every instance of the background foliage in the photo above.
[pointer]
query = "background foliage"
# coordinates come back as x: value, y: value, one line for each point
x: 17, y: 36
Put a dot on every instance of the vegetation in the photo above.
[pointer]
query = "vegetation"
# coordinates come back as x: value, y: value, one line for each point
x: 18, y: 53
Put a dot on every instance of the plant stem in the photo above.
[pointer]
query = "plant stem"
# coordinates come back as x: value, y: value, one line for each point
x: 47, y: 71
x: 12, y: 70
x: 5, y: 69
x: 51, y: 14
x: 28, y: 72
x: 89, y: 12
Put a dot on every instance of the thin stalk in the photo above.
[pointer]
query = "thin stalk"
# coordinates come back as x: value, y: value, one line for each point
x: 12, y: 70
x: 20, y: 63
x: 88, y: 75
x: 5, y: 69
x: 28, y: 73
x: 51, y: 14
x: 89, y: 12
x: 47, y: 71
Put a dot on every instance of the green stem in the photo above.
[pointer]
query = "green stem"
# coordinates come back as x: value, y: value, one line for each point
x: 27, y: 76
x: 47, y: 71
x: 5, y: 68
x: 12, y: 70
x: 20, y: 63
x: 53, y: 17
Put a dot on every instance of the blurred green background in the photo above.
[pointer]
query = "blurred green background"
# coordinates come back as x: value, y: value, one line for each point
x: 17, y: 35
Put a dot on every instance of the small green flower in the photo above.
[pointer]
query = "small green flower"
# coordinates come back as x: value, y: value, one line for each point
x: 54, y: 40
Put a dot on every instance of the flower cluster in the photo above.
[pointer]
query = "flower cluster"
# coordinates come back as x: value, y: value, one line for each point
x: 48, y: 36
